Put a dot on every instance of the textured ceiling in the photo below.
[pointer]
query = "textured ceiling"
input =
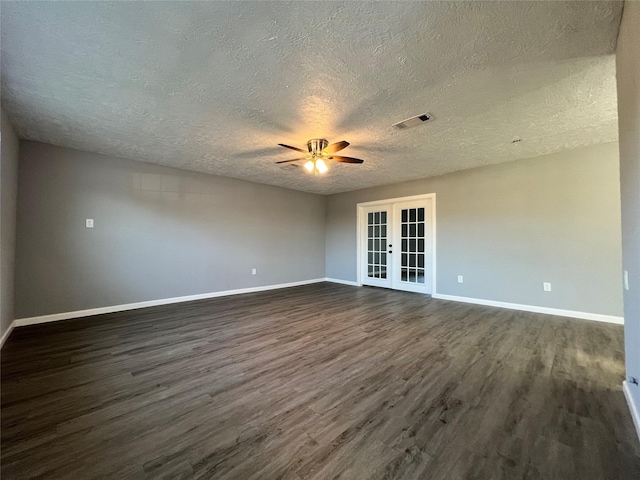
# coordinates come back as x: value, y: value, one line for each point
x: 214, y: 86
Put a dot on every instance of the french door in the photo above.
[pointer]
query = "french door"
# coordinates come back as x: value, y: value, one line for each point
x: 397, y: 244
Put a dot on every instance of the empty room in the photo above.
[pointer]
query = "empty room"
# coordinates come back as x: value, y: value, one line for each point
x: 320, y: 240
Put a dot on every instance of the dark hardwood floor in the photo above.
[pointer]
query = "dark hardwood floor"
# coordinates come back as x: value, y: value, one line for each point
x: 317, y: 382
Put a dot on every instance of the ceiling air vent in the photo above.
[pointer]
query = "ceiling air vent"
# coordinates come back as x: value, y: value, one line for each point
x: 413, y: 121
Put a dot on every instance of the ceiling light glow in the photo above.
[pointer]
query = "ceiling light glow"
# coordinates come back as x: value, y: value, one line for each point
x: 321, y: 166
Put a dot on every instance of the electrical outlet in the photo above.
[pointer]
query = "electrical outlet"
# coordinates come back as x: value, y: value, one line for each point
x: 546, y: 286
x: 460, y: 279
x: 253, y: 271
x: 89, y: 223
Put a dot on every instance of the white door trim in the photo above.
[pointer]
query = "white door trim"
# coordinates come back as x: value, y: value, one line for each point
x: 359, y: 219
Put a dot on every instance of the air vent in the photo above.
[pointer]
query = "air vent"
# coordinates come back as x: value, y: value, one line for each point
x: 413, y: 121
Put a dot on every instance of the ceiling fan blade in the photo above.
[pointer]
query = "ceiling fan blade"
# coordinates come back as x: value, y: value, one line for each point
x: 294, y: 160
x: 345, y: 159
x: 335, y: 147
x: 293, y: 148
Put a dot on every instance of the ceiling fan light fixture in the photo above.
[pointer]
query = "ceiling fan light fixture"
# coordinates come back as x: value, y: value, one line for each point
x: 319, y: 150
x: 321, y: 167
x: 316, y: 166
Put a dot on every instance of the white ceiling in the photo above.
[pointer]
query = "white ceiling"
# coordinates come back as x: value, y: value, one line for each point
x: 215, y: 86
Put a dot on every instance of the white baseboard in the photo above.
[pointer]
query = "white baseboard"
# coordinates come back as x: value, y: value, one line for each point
x: 531, y: 308
x: 20, y: 322
x: 633, y: 405
x: 343, y: 282
x: 7, y: 333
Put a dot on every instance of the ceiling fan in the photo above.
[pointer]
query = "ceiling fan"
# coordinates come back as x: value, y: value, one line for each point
x: 319, y: 150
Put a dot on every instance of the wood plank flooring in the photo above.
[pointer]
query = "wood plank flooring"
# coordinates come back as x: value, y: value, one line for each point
x: 317, y: 382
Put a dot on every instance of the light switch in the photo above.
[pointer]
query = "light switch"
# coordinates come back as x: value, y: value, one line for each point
x: 89, y: 223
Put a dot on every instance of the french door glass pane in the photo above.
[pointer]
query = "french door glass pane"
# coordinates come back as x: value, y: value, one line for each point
x: 377, y: 245
x: 412, y: 249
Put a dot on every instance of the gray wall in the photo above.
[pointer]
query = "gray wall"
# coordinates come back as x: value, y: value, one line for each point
x: 628, y: 73
x: 162, y: 233
x: 510, y: 227
x: 159, y: 232
x: 8, y: 198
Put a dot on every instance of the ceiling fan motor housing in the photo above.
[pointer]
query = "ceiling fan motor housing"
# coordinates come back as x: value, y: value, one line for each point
x: 316, y: 145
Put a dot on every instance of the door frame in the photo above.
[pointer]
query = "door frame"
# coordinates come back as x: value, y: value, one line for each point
x: 360, y: 219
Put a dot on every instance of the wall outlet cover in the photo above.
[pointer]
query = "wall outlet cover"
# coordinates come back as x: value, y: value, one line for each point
x: 460, y: 279
x: 546, y: 286
x: 89, y: 223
